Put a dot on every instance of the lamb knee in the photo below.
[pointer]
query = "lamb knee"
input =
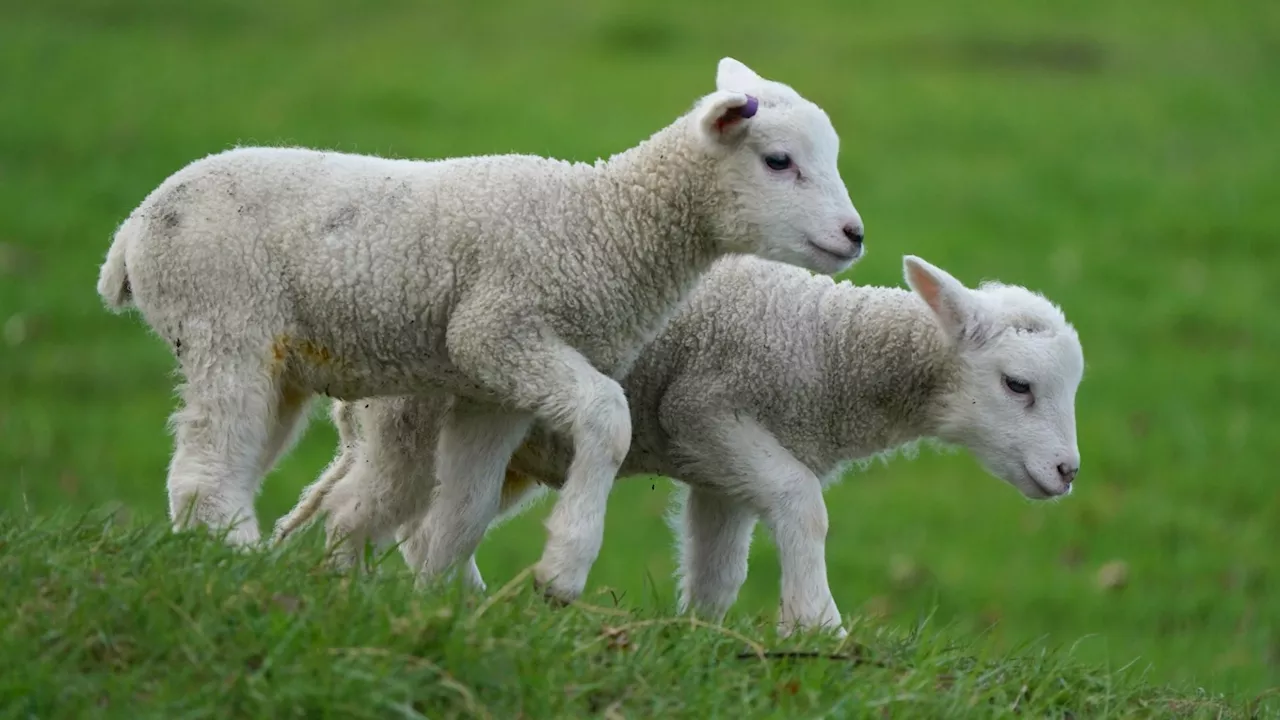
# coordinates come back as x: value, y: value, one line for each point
x: 605, y: 414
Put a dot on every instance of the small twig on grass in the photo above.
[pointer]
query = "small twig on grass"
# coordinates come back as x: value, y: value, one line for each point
x: 858, y: 656
x: 446, y: 679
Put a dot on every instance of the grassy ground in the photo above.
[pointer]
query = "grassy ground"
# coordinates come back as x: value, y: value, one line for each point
x: 1120, y: 157
x: 134, y: 621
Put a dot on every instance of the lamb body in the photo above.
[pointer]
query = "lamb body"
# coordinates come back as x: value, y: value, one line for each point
x: 764, y: 386
x: 517, y: 286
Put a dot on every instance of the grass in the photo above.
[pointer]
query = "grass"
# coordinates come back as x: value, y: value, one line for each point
x: 1120, y: 157
x: 127, y: 619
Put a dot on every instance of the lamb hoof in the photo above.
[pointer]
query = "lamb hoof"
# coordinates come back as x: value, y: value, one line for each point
x: 555, y: 603
x: 243, y: 538
x: 786, y: 629
x: 555, y: 593
x: 341, y: 558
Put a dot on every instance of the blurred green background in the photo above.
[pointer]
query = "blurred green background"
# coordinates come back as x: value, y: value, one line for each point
x: 1122, y: 158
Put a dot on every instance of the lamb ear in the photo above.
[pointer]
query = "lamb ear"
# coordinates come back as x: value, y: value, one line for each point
x: 733, y: 75
x: 723, y: 115
x: 946, y: 296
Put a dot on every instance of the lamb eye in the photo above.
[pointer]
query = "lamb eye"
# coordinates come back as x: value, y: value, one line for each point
x: 1016, y: 387
x: 778, y: 161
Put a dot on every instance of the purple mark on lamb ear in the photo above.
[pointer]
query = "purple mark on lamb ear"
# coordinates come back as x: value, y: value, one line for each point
x: 732, y: 115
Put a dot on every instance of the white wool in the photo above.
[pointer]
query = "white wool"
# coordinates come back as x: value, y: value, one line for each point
x: 765, y: 386
x: 520, y: 285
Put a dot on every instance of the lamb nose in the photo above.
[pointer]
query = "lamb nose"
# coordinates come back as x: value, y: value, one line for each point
x: 1067, y: 472
x: 854, y: 233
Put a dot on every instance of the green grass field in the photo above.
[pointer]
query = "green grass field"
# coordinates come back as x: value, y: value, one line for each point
x: 275, y: 635
x: 1120, y: 157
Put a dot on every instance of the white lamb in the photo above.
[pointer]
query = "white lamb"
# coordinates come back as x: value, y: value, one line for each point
x: 759, y: 392
x: 519, y: 284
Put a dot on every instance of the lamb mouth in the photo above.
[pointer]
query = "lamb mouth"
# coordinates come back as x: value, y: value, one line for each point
x: 842, y: 257
x: 1047, y: 491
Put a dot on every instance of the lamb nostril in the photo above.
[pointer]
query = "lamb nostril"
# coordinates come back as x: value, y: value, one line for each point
x: 854, y: 233
x: 1067, y: 472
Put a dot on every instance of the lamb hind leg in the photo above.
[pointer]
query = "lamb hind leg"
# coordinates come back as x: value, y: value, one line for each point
x: 313, y: 496
x: 556, y: 384
x: 475, y: 445
x: 411, y: 536
x: 220, y: 439
x: 342, y: 415
x: 394, y: 481
x: 741, y: 459
x: 715, y: 541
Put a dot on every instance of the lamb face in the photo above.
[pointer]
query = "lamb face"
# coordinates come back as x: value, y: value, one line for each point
x: 1021, y: 421
x: 781, y: 196
x: 1013, y: 403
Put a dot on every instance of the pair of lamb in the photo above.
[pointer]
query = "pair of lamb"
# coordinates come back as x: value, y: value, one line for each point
x: 474, y: 319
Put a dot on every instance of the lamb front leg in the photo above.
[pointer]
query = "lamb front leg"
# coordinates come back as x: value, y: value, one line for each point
x: 798, y: 520
x: 592, y: 409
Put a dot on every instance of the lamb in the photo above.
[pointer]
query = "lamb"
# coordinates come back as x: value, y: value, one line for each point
x: 519, y: 286
x: 764, y: 387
